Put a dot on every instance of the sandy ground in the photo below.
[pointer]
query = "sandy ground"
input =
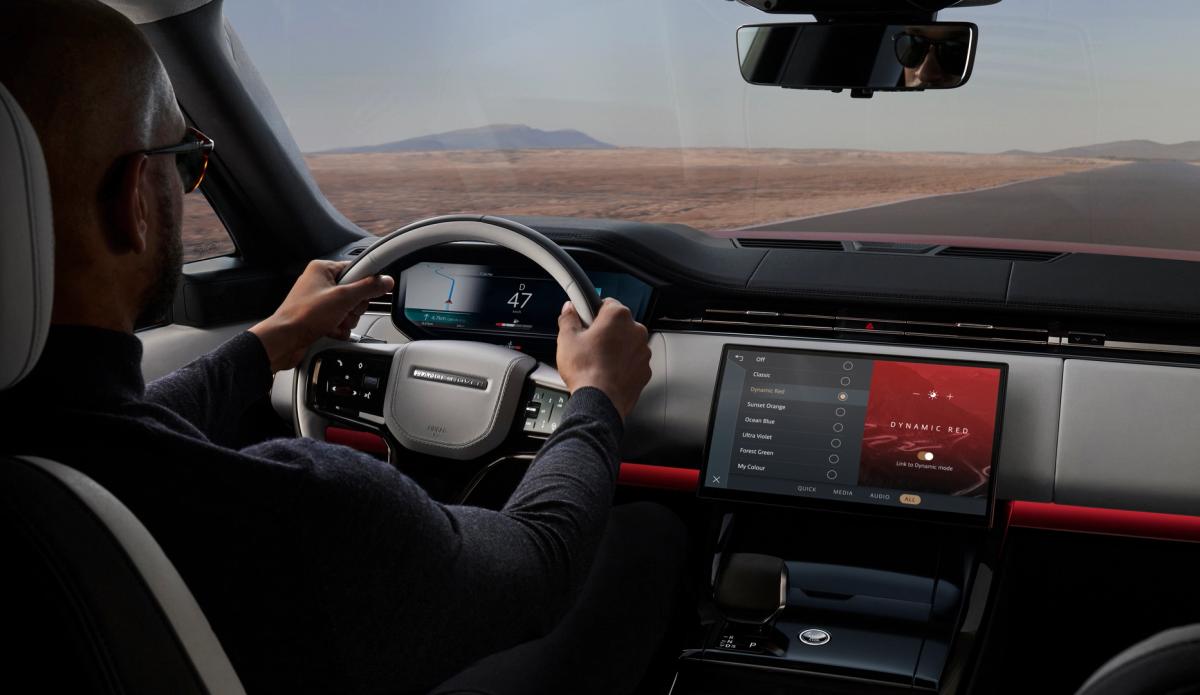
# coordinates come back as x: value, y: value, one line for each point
x: 710, y: 189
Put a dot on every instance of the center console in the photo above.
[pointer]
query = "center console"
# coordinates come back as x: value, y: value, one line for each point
x: 851, y: 496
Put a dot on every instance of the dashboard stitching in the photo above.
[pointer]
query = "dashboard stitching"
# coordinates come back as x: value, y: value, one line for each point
x: 1012, y: 268
x: 754, y: 273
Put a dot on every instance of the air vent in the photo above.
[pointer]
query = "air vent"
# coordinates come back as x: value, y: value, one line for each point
x: 890, y: 247
x: 999, y: 254
x: 729, y: 321
x: 802, y: 244
x: 785, y: 323
x: 382, y: 304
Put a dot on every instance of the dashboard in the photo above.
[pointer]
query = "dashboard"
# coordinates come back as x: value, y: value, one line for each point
x: 783, y: 383
x: 1098, y: 400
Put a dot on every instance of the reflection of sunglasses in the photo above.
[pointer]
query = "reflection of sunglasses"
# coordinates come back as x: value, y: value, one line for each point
x: 191, y: 157
x: 911, y: 50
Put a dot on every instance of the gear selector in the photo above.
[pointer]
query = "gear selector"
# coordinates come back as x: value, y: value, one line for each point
x: 751, y: 591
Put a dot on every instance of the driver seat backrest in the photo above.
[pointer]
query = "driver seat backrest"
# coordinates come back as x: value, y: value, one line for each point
x: 1167, y: 663
x: 90, y: 602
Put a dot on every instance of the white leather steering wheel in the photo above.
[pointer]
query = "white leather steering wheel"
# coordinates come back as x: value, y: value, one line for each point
x: 450, y: 398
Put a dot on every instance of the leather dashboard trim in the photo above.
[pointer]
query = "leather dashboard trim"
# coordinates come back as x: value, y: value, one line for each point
x: 663, y: 477
x: 363, y: 441
x: 1113, y: 522
x: 633, y: 474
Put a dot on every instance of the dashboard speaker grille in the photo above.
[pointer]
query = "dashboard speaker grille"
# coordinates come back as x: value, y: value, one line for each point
x: 999, y: 254
x: 803, y: 244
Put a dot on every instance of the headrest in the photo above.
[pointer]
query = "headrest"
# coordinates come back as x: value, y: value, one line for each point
x: 26, y: 244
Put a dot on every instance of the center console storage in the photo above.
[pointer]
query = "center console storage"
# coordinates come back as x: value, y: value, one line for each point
x: 861, y: 604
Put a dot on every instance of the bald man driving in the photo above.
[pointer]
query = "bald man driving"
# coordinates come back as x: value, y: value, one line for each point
x: 320, y: 569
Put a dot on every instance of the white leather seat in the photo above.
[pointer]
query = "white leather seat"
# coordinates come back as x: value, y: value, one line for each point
x: 88, y: 596
x: 1167, y: 663
x: 26, y: 245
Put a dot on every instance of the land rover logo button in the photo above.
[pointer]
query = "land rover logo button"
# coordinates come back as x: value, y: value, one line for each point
x: 814, y: 637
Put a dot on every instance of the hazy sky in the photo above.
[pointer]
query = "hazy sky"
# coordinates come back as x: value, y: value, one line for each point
x: 663, y: 73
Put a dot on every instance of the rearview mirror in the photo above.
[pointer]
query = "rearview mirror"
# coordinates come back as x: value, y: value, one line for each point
x: 863, y: 58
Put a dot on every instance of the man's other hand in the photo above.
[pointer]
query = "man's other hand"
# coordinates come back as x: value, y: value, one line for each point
x: 315, y: 307
x: 611, y: 354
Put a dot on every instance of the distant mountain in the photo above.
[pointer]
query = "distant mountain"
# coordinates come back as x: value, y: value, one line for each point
x: 1128, y: 149
x: 488, y: 137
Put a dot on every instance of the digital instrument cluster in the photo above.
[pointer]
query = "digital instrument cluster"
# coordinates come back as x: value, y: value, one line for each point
x: 832, y: 429
x: 496, y: 300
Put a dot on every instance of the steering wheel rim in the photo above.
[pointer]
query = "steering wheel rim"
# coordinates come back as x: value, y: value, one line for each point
x: 450, y: 398
x: 488, y: 229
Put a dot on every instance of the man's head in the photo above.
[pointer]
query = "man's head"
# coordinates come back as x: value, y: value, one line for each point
x: 933, y: 56
x: 98, y: 97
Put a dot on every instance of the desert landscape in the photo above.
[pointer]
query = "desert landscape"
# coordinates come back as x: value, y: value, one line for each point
x: 710, y: 189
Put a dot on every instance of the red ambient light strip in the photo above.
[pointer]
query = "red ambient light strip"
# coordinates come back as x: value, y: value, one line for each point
x: 363, y: 441
x: 664, y: 477
x: 1115, y: 522
x: 635, y: 474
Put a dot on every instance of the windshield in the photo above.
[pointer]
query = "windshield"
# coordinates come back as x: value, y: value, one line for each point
x: 1073, y: 128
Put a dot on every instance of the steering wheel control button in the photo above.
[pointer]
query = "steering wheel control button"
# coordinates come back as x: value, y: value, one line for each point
x: 349, y: 384
x: 544, y: 410
x: 814, y: 637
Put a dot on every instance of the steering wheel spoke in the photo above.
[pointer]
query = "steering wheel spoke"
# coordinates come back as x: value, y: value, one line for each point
x: 348, y: 382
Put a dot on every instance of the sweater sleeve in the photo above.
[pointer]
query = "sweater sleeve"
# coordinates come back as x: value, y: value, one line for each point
x: 416, y: 590
x: 214, y: 391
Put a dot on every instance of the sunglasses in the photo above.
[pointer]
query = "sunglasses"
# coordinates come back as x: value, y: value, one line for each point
x: 911, y: 50
x: 191, y: 158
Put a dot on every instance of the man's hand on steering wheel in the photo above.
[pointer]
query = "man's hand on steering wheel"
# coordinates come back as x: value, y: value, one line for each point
x: 316, y: 307
x: 611, y: 354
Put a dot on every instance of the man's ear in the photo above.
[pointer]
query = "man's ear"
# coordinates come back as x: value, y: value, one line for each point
x: 132, y: 206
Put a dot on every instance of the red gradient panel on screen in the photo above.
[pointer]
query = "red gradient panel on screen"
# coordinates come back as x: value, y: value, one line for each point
x: 930, y: 428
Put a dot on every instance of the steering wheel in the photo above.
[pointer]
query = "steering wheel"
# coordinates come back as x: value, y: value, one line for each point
x: 455, y: 399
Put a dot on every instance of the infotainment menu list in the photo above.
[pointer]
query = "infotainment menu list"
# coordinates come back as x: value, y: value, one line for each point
x: 799, y: 421
x: 855, y: 428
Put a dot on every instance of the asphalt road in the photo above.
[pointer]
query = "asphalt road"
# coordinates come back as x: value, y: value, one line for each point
x: 1155, y: 204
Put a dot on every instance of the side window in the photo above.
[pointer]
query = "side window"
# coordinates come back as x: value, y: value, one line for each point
x: 203, y: 234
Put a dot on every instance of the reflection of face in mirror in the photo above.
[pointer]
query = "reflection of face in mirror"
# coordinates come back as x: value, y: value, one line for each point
x: 932, y: 56
x: 863, y: 58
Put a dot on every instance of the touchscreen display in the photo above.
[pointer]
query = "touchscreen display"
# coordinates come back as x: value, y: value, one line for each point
x: 843, y: 428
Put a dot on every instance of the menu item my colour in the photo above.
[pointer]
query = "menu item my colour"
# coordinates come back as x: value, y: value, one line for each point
x: 825, y: 428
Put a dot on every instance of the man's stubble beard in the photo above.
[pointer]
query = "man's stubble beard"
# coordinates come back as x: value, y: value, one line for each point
x: 169, y: 262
